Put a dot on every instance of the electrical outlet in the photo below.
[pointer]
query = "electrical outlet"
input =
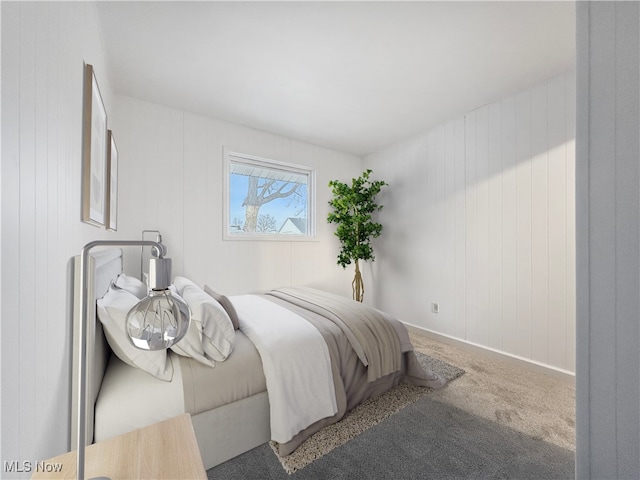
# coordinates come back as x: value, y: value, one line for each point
x: 435, y: 307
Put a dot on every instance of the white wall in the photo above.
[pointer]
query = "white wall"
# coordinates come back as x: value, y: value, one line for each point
x: 44, y: 46
x: 479, y: 217
x: 171, y: 165
x: 608, y: 246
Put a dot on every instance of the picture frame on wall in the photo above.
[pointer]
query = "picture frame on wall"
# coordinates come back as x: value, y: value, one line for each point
x: 94, y: 151
x: 111, y: 214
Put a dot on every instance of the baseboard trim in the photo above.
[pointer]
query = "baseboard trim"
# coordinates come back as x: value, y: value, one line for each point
x: 558, y: 373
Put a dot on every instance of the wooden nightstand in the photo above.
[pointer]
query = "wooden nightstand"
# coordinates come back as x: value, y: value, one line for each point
x: 163, y: 450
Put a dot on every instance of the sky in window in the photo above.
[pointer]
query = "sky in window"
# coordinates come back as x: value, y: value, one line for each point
x: 280, y: 209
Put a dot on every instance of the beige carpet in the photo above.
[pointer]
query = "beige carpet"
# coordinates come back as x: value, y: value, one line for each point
x: 501, y: 390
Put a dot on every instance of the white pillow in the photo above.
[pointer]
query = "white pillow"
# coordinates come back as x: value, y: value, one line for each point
x: 112, y: 312
x: 218, y: 334
x: 132, y: 285
x: 191, y: 343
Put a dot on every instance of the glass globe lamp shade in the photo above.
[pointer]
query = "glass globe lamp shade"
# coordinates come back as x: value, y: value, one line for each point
x: 158, y: 321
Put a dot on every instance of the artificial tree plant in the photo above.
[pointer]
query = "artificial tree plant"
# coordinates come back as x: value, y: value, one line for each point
x: 353, y: 207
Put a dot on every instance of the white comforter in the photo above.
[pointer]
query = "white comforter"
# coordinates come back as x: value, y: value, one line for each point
x: 296, y: 363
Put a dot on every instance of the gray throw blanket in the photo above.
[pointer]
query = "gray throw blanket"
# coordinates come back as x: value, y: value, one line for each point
x: 364, y: 344
x: 370, y: 332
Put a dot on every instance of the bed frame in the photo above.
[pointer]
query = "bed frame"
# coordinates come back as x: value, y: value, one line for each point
x: 222, y: 433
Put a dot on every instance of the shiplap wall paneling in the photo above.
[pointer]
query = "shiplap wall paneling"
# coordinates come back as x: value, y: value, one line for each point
x: 27, y: 211
x: 386, y: 264
x: 430, y: 226
x: 392, y: 262
x: 171, y: 146
x: 480, y: 218
x: 10, y: 218
x: 399, y: 253
x: 446, y: 223
x: 522, y: 345
x: 57, y: 215
x: 141, y: 174
x: 223, y: 269
x: 557, y: 331
x: 484, y: 224
x: 412, y: 225
x: 440, y: 284
x: 162, y: 145
x: 425, y: 191
x: 494, y: 146
x: 145, y: 168
x: 570, y: 258
x: 495, y: 247
x: 313, y: 273
x: 196, y: 240
x: 477, y: 228
x: 472, y: 274
x: 447, y: 291
x: 540, y: 225
x: 424, y: 227
x: 457, y: 326
x: 421, y: 252
x: 528, y: 221
x: 44, y: 47
x: 510, y: 331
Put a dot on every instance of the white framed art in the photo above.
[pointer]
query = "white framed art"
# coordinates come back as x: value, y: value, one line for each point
x: 94, y: 151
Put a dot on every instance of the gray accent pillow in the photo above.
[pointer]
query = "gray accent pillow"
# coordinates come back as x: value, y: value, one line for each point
x: 226, y: 304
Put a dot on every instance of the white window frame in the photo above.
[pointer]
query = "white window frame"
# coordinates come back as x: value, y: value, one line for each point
x: 233, y: 155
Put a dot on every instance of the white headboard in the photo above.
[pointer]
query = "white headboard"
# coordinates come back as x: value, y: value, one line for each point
x: 105, y: 266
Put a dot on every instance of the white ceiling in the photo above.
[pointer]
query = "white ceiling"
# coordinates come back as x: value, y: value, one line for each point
x: 352, y: 76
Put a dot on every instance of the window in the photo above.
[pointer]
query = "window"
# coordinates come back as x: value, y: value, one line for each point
x: 266, y: 199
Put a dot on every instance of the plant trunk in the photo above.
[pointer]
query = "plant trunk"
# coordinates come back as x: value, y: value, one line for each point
x: 357, y: 285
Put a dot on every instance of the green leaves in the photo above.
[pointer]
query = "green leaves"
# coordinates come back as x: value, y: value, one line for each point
x: 353, y: 207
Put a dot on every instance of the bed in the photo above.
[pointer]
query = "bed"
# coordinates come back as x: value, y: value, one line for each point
x: 289, y: 362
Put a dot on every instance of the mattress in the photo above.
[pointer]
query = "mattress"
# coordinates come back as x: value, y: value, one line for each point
x: 131, y: 398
